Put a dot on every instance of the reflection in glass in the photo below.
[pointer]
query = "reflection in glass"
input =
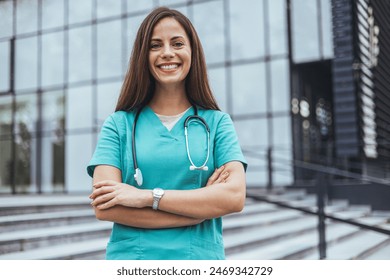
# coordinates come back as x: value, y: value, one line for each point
x: 53, y: 112
x: 53, y: 163
x: 26, y: 63
x: 4, y: 65
x: 80, y: 11
x: 53, y: 59
x: 136, y: 5
x: 249, y: 89
x: 109, y: 61
x: 305, y: 30
x: 108, y: 8
x: 26, y: 115
x: 6, y: 12
x: 280, y: 95
x: 5, y: 115
x: 26, y: 16
x: 217, y: 79
x: 52, y: 13
x: 80, y: 58
x: 327, y: 35
x: 107, y: 97
x: 212, y: 33
x: 77, y: 157
x: 277, y: 27
x: 246, y: 28
x: 5, y: 165
x: 79, y: 108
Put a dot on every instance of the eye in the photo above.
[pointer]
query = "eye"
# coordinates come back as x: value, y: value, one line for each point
x: 154, y: 46
x: 178, y: 44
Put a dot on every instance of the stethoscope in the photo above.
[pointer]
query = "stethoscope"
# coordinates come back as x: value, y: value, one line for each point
x: 138, y: 174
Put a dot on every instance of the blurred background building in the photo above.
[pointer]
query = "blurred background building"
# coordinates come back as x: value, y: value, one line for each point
x: 307, y: 83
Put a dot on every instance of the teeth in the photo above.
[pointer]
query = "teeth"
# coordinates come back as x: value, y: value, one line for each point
x: 168, y: 67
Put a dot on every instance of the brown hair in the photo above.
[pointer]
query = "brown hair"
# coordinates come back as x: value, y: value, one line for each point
x: 139, y: 84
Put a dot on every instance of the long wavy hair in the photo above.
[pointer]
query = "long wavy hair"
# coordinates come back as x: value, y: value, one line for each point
x: 139, y: 84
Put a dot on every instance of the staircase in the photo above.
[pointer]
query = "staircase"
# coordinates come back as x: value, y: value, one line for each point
x: 64, y: 227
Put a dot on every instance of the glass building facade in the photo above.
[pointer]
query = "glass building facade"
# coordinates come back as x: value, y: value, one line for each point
x: 62, y: 63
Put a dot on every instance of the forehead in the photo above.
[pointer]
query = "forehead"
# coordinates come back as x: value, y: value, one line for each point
x: 168, y: 27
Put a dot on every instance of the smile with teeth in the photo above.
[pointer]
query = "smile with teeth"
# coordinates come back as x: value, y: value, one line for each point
x: 169, y: 66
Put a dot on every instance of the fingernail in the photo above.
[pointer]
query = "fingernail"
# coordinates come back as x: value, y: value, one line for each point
x: 222, y: 167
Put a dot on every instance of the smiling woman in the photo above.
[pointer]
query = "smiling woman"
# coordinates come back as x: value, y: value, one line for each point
x: 168, y: 124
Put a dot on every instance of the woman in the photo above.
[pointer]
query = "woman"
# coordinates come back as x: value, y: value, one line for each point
x: 188, y: 183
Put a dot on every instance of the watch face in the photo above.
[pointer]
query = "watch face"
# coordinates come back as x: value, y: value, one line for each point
x: 159, y: 191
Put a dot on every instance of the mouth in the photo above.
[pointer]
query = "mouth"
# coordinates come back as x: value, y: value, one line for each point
x: 169, y: 67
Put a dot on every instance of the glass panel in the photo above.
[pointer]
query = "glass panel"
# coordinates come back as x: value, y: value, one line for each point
x: 305, y: 30
x: 4, y: 65
x: 5, y: 165
x: 133, y: 24
x: 26, y: 16
x: 5, y: 115
x: 107, y: 98
x: 53, y: 163
x: 247, y: 28
x: 217, y: 80
x: 53, y: 59
x: 278, y: 27
x: 26, y: 63
x: 249, y: 90
x: 80, y: 11
x: 212, y: 33
x: 77, y: 158
x: 53, y: 108
x: 52, y: 13
x: 108, y: 8
x: 79, y: 108
x: 109, y: 49
x: 280, y: 86
x: 327, y: 25
x: 80, y: 50
x: 136, y: 5
x: 25, y: 142
x: 170, y: 2
x: 6, y: 12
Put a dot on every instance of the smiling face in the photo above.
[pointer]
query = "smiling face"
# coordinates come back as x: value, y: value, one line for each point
x: 169, y: 53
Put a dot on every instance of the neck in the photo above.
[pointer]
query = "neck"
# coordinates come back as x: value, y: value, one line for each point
x: 169, y: 101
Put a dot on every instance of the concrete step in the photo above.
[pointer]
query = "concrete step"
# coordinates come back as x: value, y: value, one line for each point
x: 382, y: 252
x: 34, y: 238
x: 46, y: 219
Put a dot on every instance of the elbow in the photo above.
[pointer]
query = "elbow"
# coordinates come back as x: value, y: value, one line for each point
x: 100, y: 214
x: 237, y: 202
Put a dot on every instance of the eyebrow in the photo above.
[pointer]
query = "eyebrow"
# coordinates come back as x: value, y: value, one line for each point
x: 173, y: 38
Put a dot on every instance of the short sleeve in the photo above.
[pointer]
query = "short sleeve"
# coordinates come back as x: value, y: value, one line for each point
x: 107, y: 150
x: 227, y: 147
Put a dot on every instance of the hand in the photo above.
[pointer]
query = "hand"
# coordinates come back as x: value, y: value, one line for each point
x: 109, y: 193
x: 218, y: 176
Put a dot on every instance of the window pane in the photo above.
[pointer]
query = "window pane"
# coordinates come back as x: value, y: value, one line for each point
x: 77, y: 158
x: 5, y: 165
x: 6, y: 12
x: 249, y: 90
x: 5, y: 115
x: 326, y: 10
x: 109, y: 49
x: 246, y: 23
x: 278, y: 27
x: 305, y: 30
x: 80, y: 11
x: 171, y: 2
x: 26, y: 59
x: 212, y: 33
x: 79, y: 108
x: 52, y: 13
x: 53, y: 107
x: 80, y: 50
x: 53, y: 163
x: 136, y: 5
x: 107, y: 98
x: 217, y: 80
x: 4, y: 65
x: 26, y: 115
x: 280, y: 96
x: 26, y: 16
x: 108, y: 8
x: 133, y: 24
x: 53, y: 59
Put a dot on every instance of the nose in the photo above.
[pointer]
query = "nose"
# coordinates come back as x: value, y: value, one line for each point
x: 167, y: 52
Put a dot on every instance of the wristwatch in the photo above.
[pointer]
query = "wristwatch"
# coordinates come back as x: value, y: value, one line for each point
x: 157, y: 195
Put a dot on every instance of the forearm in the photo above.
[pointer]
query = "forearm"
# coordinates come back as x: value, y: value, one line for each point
x: 144, y: 217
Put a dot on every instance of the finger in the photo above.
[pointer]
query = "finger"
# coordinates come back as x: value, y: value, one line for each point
x: 105, y: 183
x: 107, y: 204
x: 215, y: 175
x: 103, y: 198
x: 101, y: 191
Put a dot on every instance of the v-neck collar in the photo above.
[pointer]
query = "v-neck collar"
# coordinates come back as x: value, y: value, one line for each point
x: 158, y: 125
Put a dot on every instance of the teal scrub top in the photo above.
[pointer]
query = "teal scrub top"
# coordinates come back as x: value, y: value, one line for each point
x: 162, y: 157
